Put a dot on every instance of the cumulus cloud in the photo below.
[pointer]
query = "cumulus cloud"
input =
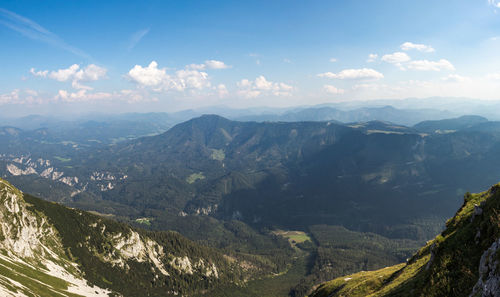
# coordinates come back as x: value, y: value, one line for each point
x: 160, y: 80
x: 185, y: 79
x: 354, y: 74
x: 415, y: 46
x: 396, y: 58
x: 149, y: 75
x: 214, y: 64
x: 9, y: 98
x: 426, y: 65
x: 333, y: 90
x: 209, y: 64
x: 261, y: 86
x: 75, y: 74
x: 222, y: 90
x: 19, y: 97
x: 372, y: 58
x: 40, y: 73
x: 333, y: 60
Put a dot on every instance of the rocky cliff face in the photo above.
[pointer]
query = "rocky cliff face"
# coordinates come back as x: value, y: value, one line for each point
x: 47, y: 249
x: 488, y: 283
x: 30, y: 248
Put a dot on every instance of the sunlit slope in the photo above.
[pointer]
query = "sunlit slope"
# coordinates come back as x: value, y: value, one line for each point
x: 50, y: 250
x: 33, y: 261
x: 462, y: 261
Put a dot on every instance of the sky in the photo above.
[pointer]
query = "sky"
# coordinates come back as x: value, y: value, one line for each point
x: 122, y: 56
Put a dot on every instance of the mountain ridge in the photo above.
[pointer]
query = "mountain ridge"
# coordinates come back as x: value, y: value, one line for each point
x: 38, y: 241
x: 461, y: 261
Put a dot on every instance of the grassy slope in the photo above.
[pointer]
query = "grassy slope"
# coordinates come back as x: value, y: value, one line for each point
x: 34, y: 281
x: 452, y: 272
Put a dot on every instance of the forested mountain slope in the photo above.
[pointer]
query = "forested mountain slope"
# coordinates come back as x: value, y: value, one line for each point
x: 50, y: 250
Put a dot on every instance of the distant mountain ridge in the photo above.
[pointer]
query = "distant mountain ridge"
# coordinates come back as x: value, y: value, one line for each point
x: 281, y: 173
x: 450, y: 125
x: 386, y: 113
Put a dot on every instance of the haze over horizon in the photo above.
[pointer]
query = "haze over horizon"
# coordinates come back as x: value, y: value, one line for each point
x: 60, y: 57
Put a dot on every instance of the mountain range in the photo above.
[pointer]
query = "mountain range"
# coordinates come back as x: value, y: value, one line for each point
x: 244, y: 188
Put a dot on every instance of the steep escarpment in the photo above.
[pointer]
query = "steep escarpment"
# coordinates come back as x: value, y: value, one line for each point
x: 32, y: 257
x: 464, y: 260
x: 50, y: 250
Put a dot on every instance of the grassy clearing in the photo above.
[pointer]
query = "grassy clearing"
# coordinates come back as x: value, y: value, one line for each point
x: 105, y: 215
x: 218, y: 155
x: 144, y: 221
x: 194, y: 177
x: 62, y: 159
x: 293, y: 237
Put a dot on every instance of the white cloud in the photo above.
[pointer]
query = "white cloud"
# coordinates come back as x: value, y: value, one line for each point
x: 209, y: 64
x: 426, y: 65
x: 160, y: 80
x: 39, y: 73
x: 415, y: 46
x: 75, y: 74
x: 9, y: 98
x: 396, y: 58
x: 333, y: 90
x: 261, y: 86
x: 65, y: 74
x: 354, y: 74
x: 454, y: 86
x: 333, y: 60
x: 186, y: 79
x: 455, y: 78
x: 372, y: 58
x: 19, y: 97
x: 222, y: 90
x: 129, y: 96
x: 81, y: 96
x: 148, y: 76
x: 214, y: 64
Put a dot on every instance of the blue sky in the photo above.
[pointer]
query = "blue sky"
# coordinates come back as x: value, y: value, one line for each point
x: 172, y: 55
